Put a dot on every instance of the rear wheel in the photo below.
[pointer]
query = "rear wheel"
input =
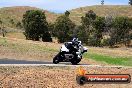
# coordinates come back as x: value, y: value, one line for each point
x: 56, y: 59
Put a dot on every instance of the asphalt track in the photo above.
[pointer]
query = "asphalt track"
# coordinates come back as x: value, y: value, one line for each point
x: 13, y: 62
x: 8, y: 62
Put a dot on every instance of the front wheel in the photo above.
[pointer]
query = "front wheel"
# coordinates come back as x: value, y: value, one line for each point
x: 75, y: 62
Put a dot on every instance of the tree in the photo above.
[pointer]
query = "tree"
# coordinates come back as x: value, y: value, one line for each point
x: 82, y: 34
x: 102, y: 2
x: 64, y: 28
x: 1, y: 22
x: 67, y: 13
x: 91, y: 15
x: 86, y: 28
x: 108, y: 23
x: 2, y: 28
x: 122, y: 27
x: 46, y: 37
x: 99, y: 25
x: 130, y: 2
x: 36, y: 26
x: 51, y: 29
x: 1, y: 25
x: 88, y: 20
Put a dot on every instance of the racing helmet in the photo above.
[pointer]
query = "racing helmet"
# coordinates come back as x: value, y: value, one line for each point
x: 75, y: 40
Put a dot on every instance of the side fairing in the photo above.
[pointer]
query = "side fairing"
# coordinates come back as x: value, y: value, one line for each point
x: 63, y: 48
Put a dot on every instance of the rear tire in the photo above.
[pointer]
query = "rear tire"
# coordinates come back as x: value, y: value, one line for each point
x: 56, y: 59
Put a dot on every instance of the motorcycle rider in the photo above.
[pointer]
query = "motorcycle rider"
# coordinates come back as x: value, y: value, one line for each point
x: 75, y: 42
x: 70, y: 52
x: 76, y: 47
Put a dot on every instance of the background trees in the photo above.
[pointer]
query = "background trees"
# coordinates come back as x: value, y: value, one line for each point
x: 85, y: 30
x: 2, y: 28
x: 122, y: 26
x: 99, y: 25
x: 64, y: 28
x: 36, y: 26
x: 93, y: 30
x: 105, y: 31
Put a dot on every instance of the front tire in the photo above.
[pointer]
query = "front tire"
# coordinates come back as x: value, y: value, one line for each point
x: 75, y: 62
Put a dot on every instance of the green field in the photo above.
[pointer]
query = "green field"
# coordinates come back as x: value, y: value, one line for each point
x: 109, y: 59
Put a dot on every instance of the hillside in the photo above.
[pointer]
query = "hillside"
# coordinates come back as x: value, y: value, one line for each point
x: 16, y: 13
x: 114, y: 10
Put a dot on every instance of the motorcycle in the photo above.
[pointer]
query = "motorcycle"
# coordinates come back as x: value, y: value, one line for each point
x: 70, y: 52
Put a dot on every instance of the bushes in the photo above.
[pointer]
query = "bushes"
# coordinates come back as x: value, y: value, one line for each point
x: 46, y: 37
x: 36, y: 26
x: 93, y: 41
x: 91, y: 31
x: 105, y: 42
x: 122, y: 27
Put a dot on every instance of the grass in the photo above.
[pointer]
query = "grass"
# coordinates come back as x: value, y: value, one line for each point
x: 18, y: 35
x: 25, y: 47
x: 20, y: 46
x: 109, y: 59
x: 20, y: 49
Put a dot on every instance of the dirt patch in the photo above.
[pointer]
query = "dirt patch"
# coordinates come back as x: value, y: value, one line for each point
x: 54, y: 77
